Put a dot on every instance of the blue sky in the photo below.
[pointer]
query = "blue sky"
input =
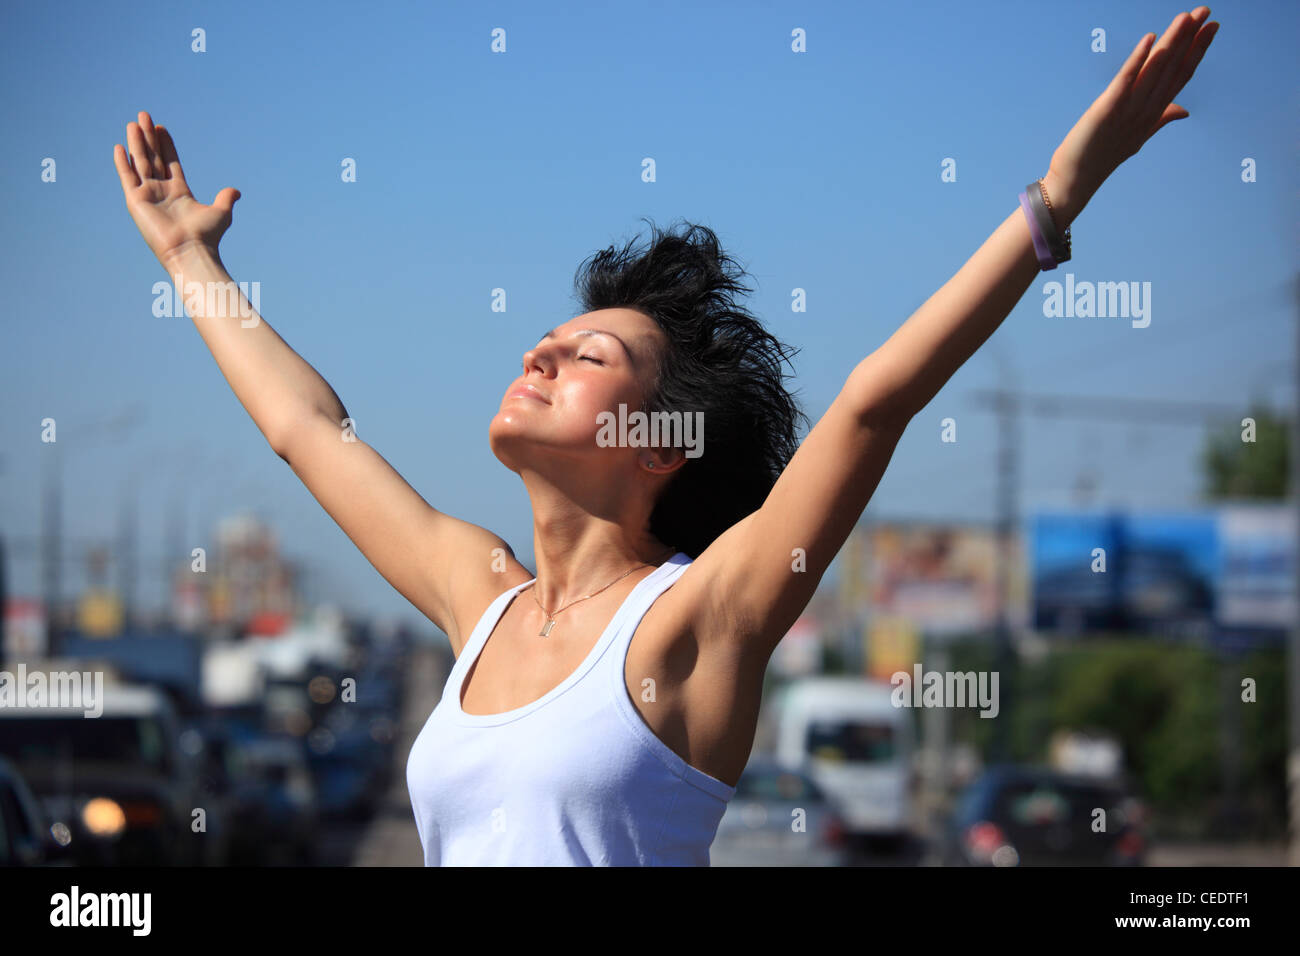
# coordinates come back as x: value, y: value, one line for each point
x: 478, y: 170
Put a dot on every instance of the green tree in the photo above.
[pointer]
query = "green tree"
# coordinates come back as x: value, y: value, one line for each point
x: 1235, y: 468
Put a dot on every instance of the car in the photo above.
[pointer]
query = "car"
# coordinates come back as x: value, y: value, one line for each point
x: 263, y: 780
x: 1015, y: 815
x: 120, y: 783
x: 276, y: 814
x: 846, y: 733
x: 344, y: 769
x: 779, y: 817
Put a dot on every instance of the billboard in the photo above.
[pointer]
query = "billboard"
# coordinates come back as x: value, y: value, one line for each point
x: 1257, y: 582
x: 1075, y: 588
x: 99, y: 613
x: 892, y: 645
x: 1256, y: 592
x: 928, y: 580
x: 1226, y: 572
x: 24, y: 630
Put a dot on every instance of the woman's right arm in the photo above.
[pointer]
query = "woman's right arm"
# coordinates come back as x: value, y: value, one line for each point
x: 426, y: 555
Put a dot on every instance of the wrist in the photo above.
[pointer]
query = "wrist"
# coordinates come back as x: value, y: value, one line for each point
x: 1065, y: 199
x: 191, y: 256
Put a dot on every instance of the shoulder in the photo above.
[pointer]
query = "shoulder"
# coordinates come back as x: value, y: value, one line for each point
x: 476, y: 589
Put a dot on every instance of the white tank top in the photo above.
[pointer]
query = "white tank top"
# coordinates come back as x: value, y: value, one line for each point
x: 574, y: 778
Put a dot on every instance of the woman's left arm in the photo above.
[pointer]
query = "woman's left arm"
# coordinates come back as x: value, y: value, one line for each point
x: 762, y: 572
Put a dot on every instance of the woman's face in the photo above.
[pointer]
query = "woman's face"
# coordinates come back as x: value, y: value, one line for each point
x: 590, y: 364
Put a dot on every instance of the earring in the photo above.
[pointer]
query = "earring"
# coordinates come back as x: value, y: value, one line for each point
x: 650, y: 465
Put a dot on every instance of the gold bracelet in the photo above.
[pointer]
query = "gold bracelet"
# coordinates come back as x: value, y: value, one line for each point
x: 1065, y: 233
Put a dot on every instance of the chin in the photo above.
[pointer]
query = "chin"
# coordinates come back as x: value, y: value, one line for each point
x: 512, y: 439
x: 503, y: 437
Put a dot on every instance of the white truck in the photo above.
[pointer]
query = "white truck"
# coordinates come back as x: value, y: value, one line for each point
x: 849, y: 737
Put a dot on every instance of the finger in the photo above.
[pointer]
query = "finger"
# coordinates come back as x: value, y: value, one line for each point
x: 124, y: 171
x: 1193, y: 59
x: 170, y: 160
x: 1165, y: 90
x: 1128, y: 72
x: 151, y: 137
x: 139, y: 150
x: 225, y: 200
x: 1172, y: 114
x: 1163, y: 60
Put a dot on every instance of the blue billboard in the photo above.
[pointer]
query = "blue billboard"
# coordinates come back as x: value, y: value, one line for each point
x: 1226, y: 573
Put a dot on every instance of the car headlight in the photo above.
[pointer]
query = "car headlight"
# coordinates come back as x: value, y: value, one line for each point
x: 103, y: 817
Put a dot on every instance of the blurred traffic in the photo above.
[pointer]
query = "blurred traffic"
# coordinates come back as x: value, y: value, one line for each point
x: 260, y: 733
x: 1117, y: 705
x: 166, y: 776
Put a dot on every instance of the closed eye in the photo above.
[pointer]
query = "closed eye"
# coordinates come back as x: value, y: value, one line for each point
x: 590, y: 359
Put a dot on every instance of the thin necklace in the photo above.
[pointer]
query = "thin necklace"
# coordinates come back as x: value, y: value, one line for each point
x: 550, y: 618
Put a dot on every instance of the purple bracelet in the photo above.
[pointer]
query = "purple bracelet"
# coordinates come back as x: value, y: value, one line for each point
x: 1045, y: 258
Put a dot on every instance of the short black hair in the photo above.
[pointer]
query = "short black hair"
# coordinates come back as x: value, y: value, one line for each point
x: 719, y: 360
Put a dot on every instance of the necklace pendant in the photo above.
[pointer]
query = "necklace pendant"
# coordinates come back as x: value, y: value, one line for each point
x: 546, y: 628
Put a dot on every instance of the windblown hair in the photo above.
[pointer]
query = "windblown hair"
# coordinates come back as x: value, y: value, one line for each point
x: 720, y: 360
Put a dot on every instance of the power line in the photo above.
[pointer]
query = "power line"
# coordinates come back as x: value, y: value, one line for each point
x: 1103, y: 407
x: 1114, y: 351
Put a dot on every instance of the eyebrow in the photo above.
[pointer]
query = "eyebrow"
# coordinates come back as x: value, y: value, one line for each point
x: 551, y: 334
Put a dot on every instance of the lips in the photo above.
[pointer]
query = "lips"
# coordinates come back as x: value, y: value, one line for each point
x: 528, y: 391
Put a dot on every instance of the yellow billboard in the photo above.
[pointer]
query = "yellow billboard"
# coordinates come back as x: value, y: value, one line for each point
x: 99, y: 614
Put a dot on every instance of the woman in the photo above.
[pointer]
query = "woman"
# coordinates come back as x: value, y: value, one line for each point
x: 605, y: 715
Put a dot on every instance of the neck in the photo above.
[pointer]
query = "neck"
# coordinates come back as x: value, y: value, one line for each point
x: 580, y: 548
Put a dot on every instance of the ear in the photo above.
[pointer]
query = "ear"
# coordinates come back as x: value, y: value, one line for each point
x: 661, y: 461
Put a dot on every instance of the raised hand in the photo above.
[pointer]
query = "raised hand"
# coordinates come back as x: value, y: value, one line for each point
x: 158, y: 198
x: 1133, y: 108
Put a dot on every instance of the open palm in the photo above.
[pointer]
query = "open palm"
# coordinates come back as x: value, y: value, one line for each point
x: 1136, y: 105
x: 158, y: 198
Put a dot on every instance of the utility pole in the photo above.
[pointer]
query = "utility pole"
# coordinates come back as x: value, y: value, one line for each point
x: 126, y: 548
x: 51, y: 550
x: 1008, y: 497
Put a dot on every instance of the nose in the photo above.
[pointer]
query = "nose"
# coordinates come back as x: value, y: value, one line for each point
x: 533, y: 357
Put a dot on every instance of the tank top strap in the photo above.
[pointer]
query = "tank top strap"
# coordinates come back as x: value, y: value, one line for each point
x: 479, y: 635
x: 635, y: 608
